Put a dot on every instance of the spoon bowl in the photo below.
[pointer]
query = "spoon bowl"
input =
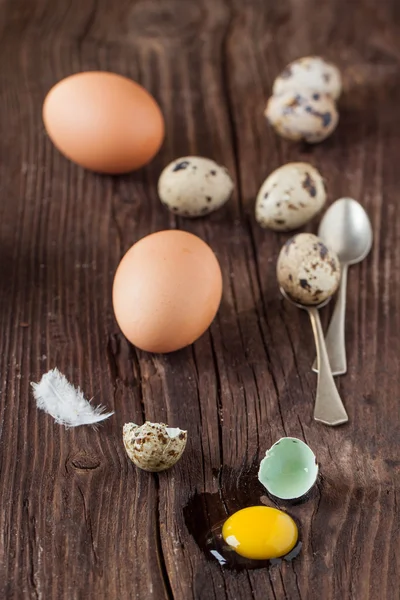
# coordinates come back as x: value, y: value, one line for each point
x: 345, y: 229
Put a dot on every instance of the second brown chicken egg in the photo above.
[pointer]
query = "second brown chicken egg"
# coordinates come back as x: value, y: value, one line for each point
x: 167, y: 290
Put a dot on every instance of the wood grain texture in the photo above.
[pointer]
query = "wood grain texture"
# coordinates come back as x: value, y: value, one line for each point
x: 77, y: 520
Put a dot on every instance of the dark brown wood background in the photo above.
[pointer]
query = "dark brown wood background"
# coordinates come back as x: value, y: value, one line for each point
x: 77, y: 520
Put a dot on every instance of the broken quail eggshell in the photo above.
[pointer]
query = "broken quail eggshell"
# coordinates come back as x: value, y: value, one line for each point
x: 289, y: 469
x: 310, y: 73
x: 302, y: 115
x: 154, y: 446
x: 308, y: 272
x: 194, y: 186
x: 290, y: 197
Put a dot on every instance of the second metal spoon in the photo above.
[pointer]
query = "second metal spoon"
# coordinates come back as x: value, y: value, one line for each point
x: 345, y: 229
x: 328, y: 407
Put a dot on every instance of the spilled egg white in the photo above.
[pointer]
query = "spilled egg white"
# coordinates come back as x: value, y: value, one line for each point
x: 302, y: 115
x: 290, y: 197
x: 310, y: 73
x: 194, y: 186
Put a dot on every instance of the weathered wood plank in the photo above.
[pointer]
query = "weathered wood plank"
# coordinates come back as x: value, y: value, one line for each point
x: 77, y: 520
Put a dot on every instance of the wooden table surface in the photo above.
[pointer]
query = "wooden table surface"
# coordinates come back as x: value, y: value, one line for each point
x: 77, y: 520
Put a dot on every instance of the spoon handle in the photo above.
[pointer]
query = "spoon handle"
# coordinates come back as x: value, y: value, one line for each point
x: 335, y: 341
x: 329, y: 407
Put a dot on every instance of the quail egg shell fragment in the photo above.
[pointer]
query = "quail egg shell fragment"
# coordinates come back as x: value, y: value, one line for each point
x: 290, y: 197
x: 289, y: 469
x: 310, y: 73
x: 302, y: 115
x: 307, y: 271
x: 193, y: 186
x: 154, y: 446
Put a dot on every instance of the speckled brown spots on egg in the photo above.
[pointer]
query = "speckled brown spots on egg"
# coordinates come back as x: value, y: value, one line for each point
x: 333, y: 265
x: 153, y: 446
x: 295, y: 102
x: 304, y: 284
x: 323, y: 250
x: 305, y: 276
x: 302, y: 117
x: 326, y: 117
x: 195, y: 191
x: 310, y: 73
x: 284, y: 203
x: 309, y: 185
x: 181, y: 166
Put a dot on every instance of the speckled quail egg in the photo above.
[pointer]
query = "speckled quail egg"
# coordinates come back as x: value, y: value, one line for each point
x: 154, y: 446
x: 290, y: 197
x: 302, y: 115
x: 194, y: 186
x: 308, y: 272
x: 310, y: 73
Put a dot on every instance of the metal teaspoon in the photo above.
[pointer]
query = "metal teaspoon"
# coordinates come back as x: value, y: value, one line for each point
x: 346, y: 229
x: 328, y: 407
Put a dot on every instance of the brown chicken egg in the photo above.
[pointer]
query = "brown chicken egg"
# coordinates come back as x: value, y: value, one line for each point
x: 167, y: 290
x: 103, y: 121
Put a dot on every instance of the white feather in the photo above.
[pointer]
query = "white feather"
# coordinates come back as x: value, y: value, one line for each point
x: 56, y: 396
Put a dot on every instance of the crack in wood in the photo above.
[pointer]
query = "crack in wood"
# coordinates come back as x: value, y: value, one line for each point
x: 88, y: 523
x: 212, y: 86
x: 32, y: 548
x: 160, y: 552
x: 200, y: 415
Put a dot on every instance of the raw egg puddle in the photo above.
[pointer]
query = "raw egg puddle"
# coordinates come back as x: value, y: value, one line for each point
x: 206, y: 518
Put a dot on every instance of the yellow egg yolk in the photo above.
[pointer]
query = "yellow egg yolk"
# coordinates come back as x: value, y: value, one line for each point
x: 260, y: 532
